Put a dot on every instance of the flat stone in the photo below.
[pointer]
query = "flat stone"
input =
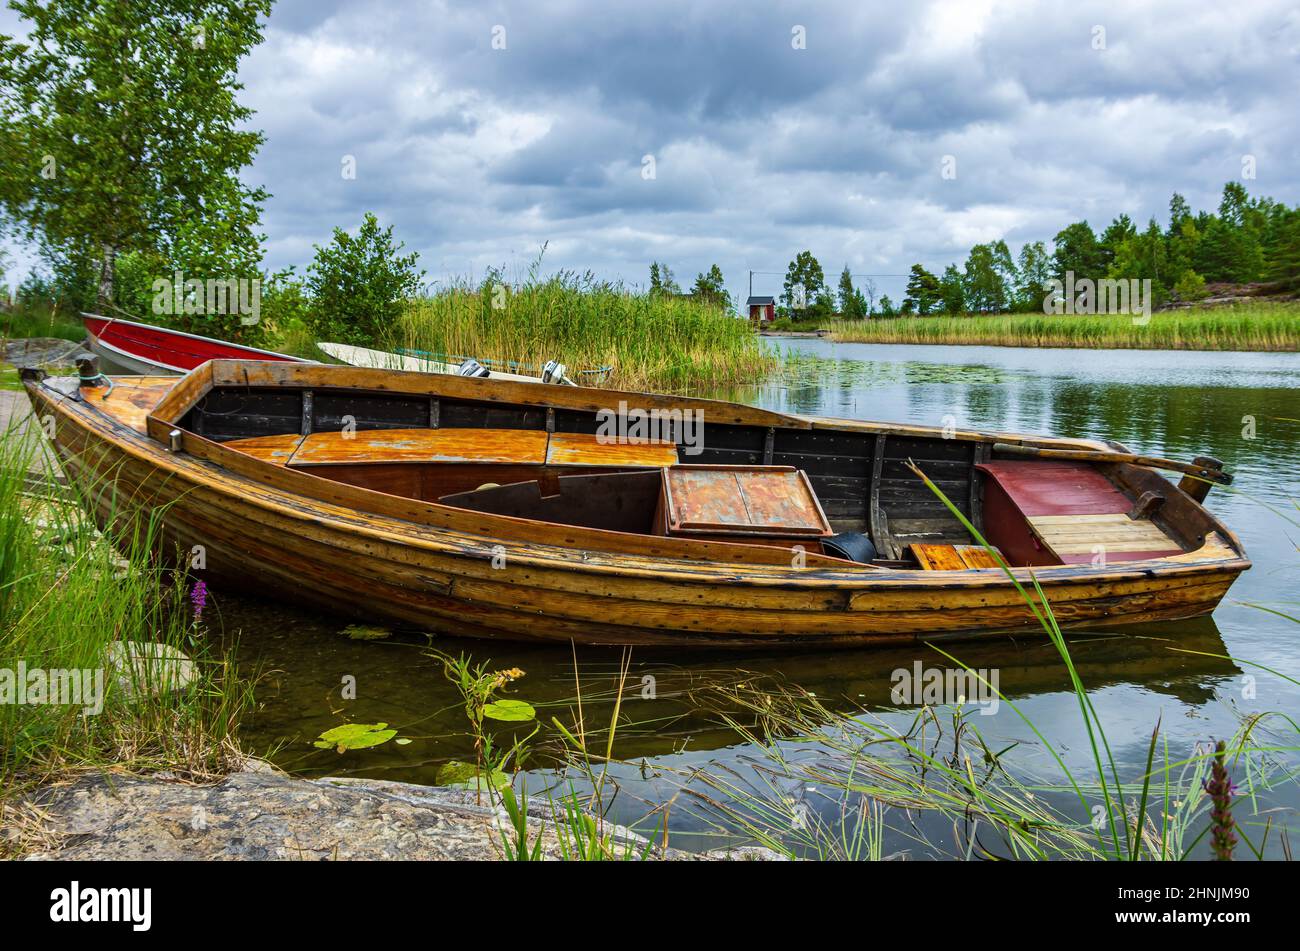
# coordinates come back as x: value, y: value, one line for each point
x: 261, y: 814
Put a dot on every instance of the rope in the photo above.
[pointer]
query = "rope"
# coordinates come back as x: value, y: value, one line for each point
x: 94, y: 380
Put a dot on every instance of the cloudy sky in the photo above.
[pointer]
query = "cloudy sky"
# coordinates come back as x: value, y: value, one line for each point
x: 738, y: 133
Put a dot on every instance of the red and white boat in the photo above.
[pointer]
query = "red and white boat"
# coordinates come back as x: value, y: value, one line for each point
x: 142, y: 348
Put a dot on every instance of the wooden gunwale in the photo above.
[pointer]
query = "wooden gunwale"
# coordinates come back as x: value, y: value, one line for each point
x: 499, y: 529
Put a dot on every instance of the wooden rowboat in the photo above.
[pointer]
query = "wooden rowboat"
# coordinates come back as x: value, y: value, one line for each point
x: 497, y: 509
x: 143, y: 348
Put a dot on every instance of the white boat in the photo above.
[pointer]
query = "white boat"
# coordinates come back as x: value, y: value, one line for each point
x: 383, y: 360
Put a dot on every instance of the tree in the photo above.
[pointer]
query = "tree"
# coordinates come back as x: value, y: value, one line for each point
x: 357, y: 284
x: 1283, y: 264
x: 853, y: 305
x: 662, y: 281
x: 867, y: 290
x: 1145, y: 256
x: 1078, y: 250
x: 130, y: 137
x: 923, y: 291
x: 952, y: 291
x: 988, y: 277
x: 1179, y: 212
x: 887, y: 308
x: 1035, y: 272
x: 1116, y: 233
x: 709, y: 289
x: 804, y: 284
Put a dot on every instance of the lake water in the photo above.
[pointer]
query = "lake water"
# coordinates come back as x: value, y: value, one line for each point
x: 1243, y: 408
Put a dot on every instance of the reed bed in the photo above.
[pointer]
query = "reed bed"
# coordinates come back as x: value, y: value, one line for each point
x: 662, y: 343
x: 1241, y: 327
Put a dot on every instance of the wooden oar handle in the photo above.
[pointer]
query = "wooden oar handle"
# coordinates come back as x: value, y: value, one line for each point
x: 1091, y: 455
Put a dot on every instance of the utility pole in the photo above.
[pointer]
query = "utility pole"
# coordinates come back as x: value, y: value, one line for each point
x: 751, y: 283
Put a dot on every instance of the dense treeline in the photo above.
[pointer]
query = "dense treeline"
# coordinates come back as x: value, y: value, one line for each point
x: 1245, y: 240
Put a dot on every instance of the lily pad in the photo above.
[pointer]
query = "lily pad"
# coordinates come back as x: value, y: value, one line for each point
x: 364, y: 632
x: 466, y: 775
x: 355, y: 736
x: 513, y: 711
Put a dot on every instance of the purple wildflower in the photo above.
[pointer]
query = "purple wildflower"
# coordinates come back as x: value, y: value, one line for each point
x: 199, y: 599
x: 1220, y: 788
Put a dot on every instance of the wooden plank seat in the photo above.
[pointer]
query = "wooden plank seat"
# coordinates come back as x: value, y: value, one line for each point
x: 1072, y: 512
x: 953, y: 557
x: 524, y: 447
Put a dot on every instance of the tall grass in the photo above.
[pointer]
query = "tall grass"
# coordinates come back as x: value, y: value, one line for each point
x: 67, y: 597
x: 34, y: 320
x: 1240, y: 327
x: 828, y: 784
x: 661, y: 343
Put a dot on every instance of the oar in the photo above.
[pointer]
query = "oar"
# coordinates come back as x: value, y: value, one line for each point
x: 1097, y: 455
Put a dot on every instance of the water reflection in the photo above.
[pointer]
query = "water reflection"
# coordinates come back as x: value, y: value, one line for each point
x: 1239, y: 407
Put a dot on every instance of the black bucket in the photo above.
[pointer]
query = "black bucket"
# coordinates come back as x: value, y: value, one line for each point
x: 853, y: 546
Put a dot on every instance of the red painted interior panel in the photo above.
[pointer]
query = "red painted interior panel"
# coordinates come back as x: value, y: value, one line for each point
x: 1057, y: 488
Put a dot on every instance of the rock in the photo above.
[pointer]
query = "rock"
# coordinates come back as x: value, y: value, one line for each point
x: 49, y: 352
x: 148, y: 666
x: 262, y: 814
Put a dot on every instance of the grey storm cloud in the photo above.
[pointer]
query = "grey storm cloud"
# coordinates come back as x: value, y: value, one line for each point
x: 478, y: 155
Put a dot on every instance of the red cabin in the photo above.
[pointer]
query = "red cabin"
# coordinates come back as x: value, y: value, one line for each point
x: 762, y: 310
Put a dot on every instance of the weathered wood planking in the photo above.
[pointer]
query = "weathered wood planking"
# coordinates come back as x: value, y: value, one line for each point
x: 354, y: 550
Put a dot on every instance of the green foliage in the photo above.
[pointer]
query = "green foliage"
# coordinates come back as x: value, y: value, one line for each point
x: 509, y: 711
x: 1264, y: 327
x: 1283, y: 262
x: 805, y: 286
x: 988, y: 277
x: 709, y: 289
x: 1190, y: 286
x: 1078, y: 250
x: 121, y: 128
x: 1145, y: 256
x: 853, y: 303
x: 358, y: 284
x: 952, y: 290
x: 1035, y: 270
x: 517, y: 848
x: 69, y: 598
x: 355, y: 736
x: 662, y: 282
x: 651, y: 341
x: 924, y: 292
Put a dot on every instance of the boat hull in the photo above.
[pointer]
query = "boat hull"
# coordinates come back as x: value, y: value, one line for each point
x: 133, y: 347
x: 255, y: 534
x: 383, y: 360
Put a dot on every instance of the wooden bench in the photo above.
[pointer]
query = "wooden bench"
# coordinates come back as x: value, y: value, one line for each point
x: 953, y: 557
x: 524, y: 447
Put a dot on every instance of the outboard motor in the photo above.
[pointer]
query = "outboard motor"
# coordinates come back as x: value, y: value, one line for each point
x: 472, y: 367
x: 853, y: 546
x: 555, y: 372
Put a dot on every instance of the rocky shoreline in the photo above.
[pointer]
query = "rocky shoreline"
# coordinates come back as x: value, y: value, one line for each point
x: 262, y: 814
